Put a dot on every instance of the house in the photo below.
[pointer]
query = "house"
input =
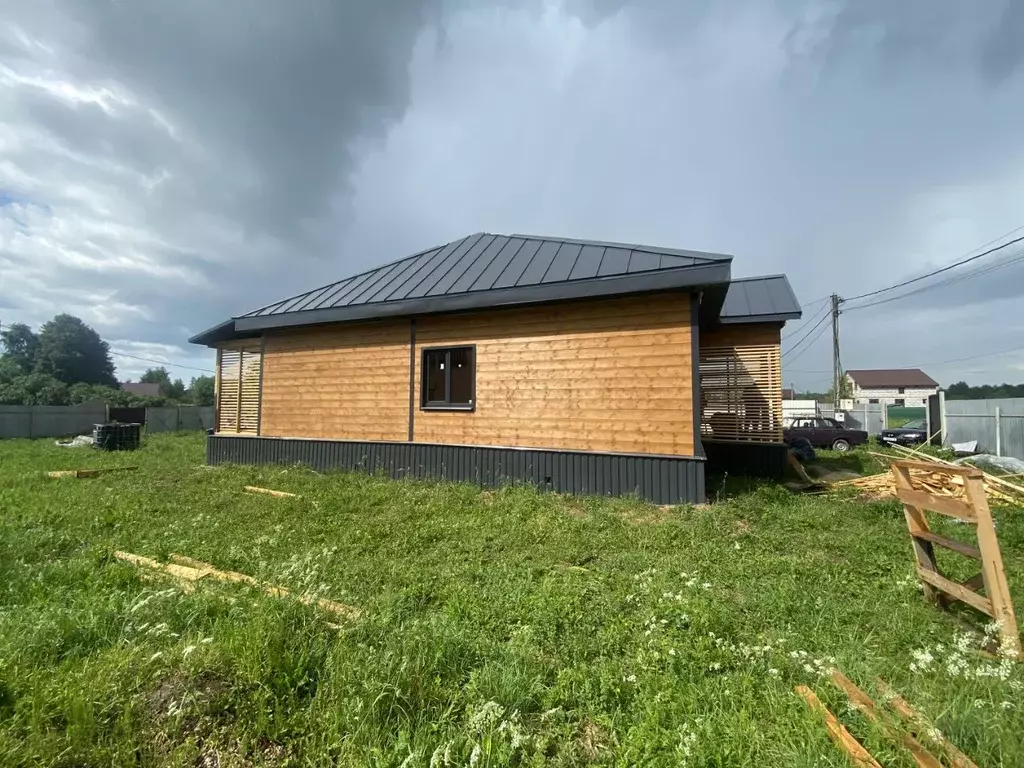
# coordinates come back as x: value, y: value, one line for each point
x: 909, y: 387
x: 143, y: 388
x: 579, y: 366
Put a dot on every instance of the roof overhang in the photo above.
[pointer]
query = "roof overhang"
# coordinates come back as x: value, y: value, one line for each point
x: 712, y: 278
x: 781, y: 317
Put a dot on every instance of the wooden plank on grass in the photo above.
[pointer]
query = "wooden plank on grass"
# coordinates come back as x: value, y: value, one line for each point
x: 923, y: 728
x: 838, y: 733
x: 88, y: 472
x: 922, y: 757
x: 270, y: 492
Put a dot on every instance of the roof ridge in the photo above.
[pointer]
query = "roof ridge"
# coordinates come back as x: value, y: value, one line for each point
x: 652, y: 249
x: 352, y: 278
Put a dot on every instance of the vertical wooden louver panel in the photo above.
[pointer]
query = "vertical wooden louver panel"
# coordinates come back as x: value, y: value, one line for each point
x: 741, y: 393
x: 238, y: 399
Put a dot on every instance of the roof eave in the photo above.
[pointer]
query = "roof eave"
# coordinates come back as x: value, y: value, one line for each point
x: 697, y: 276
x: 779, y: 317
x: 226, y: 331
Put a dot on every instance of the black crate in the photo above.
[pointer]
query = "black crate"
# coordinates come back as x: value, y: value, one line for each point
x: 116, y: 437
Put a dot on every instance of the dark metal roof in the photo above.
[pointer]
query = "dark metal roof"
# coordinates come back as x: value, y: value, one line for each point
x: 889, y: 378
x: 760, y: 300
x: 483, y: 271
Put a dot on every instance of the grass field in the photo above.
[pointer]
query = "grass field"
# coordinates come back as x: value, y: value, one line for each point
x: 496, y: 628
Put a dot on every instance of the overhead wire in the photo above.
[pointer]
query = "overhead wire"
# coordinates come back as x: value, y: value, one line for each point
x: 796, y: 344
x: 161, y: 362
x: 803, y: 325
x: 947, y: 268
x: 816, y: 337
x: 1016, y: 259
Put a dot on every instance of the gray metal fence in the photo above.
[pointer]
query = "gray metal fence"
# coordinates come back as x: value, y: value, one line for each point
x: 997, y: 425
x: 868, y: 416
x: 30, y: 421
x: 179, y: 418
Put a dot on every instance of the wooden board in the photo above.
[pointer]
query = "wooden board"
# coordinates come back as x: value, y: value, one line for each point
x: 605, y: 375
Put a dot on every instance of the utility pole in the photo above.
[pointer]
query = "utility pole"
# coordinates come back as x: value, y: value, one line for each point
x: 837, y: 372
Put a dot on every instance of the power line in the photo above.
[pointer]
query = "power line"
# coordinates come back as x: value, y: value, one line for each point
x: 1018, y: 257
x: 803, y: 325
x: 972, y: 357
x: 944, y: 269
x: 796, y: 344
x: 816, y: 337
x: 163, y: 363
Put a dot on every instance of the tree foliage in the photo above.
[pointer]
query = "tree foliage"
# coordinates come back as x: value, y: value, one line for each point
x: 21, y: 346
x: 174, y: 390
x: 202, y: 390
x: 72, y: 352
x: 964, y: 391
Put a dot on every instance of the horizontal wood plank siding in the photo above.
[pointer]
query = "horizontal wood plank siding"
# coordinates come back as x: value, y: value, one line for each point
x: 607, y: 375
x: 338, y: 382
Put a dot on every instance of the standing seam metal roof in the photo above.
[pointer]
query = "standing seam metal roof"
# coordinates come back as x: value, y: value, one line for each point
x: 484, y: 262
x: 760, y: 299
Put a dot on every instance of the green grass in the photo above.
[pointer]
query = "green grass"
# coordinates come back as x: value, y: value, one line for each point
x: 498, y: 628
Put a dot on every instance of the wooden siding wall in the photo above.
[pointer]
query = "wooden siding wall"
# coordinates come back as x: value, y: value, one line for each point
x: 608, y: 375
x: 341, y: 382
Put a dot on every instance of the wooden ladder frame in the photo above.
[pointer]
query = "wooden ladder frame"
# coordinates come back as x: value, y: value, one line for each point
x: 972, y: 508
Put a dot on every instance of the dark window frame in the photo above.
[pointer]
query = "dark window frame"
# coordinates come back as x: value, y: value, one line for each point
x: 447, y: 405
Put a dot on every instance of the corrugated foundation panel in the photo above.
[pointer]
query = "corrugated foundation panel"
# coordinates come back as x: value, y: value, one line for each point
x: 661, y: 479
x: 743, y: 458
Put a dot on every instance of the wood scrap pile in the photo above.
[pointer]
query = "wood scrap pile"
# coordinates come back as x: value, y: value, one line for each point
x: 937, y: 482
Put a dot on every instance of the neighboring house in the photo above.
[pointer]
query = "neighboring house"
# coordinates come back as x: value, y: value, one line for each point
x: 788, y: 394
x: 909, y: 387
x: 141, y: 388
x: 578, y: 366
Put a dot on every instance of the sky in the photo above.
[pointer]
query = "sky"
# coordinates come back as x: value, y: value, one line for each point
x: 164, y: 166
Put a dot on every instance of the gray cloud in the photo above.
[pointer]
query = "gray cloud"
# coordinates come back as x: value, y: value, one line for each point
x: 171, y: 164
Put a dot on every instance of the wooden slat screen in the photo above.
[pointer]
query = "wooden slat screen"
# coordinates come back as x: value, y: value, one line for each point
x: 741, y: 393
x: 238, y: 396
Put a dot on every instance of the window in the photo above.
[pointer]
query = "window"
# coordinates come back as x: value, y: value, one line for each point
x: 449, y: 378
x: 873, y: 401
x: 901, y: 391
x: 899, y: 402
x: 238, y: 389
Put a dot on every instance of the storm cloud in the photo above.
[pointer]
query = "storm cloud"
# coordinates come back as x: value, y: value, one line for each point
x: 166, y: 165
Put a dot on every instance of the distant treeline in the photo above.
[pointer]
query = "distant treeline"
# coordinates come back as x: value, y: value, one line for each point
x: 959, y: 391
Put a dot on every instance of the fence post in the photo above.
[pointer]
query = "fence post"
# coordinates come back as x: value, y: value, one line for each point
x: 31, y: 422
x: 942, y: 416
x: 999, y: 433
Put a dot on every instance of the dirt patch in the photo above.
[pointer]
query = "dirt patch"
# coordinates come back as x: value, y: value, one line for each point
x: 593, y: 740
x: 741, y: 528
x: 576, y: 510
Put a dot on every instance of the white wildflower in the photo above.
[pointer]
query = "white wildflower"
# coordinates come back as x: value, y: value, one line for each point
x: 188, y: 651
x: 671, y: 651
x: 630, y: 679
x: 206, y: 640
x: 706, y: 585
x: 773, y: 672
x: 1006, y: 704
x: 475, y: 755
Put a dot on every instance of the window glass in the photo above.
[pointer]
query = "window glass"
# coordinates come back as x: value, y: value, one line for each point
x: 433, y: 375
x: 461, y: 390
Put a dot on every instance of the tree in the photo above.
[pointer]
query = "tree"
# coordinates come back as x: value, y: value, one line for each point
x: 21, y: 346
x: 201, y: 390
x: 175, y: 390
x: 72, y: 352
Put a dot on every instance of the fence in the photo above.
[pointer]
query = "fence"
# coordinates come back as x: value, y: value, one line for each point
x: 997, y: 425
x: 867, y: 416
x: 30, y: 421
x: 179, y: 418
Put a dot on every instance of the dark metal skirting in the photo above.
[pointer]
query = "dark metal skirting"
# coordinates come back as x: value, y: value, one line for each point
x: 750, y: 459
x: 661, y: 479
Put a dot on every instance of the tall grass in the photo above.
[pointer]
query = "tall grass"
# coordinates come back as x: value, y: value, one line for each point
x: 497, y: 628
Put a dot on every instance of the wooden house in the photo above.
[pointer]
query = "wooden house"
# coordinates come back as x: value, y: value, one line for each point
x: 579, y: 366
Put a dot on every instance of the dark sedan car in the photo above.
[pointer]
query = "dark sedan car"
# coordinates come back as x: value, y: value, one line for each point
x: 911, y: 433
x: 825, y: 433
